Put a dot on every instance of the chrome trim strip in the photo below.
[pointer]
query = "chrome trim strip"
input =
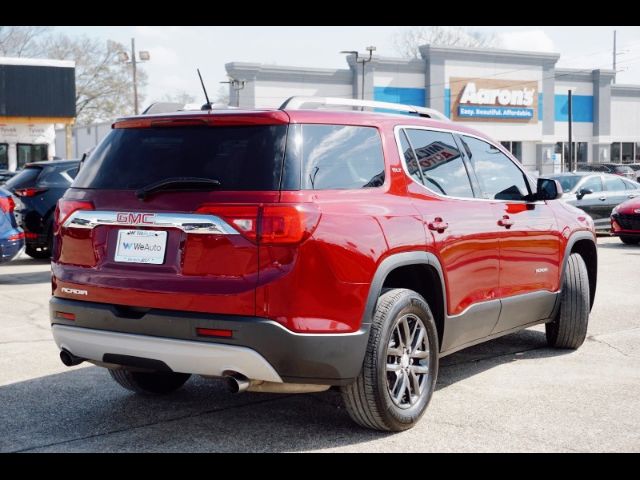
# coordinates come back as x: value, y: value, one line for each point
x: 187, y: 222
x: 396, y: 133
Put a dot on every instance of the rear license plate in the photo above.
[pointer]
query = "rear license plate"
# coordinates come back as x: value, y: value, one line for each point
x: 141, y: 246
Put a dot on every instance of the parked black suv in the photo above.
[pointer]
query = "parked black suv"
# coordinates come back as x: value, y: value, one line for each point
x: 38, y: 188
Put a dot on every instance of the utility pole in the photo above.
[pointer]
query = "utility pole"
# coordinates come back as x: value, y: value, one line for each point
x: 571, y: 166
x: 144, y: 55
x: 135, y: 76
x: 363, y: 61
x: 615, y: 54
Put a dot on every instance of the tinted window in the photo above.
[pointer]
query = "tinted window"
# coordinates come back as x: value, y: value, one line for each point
x: 440, y: 163
x: 613, y: 184
x: 594, y: 184
x: 26, y: 178
x: 498, y: 176
x: 337, y: 156
x: 57, y: 176
x: 240, y: 158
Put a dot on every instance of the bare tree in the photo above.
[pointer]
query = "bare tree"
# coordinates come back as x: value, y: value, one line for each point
x: 104, y: 86
x: 178, y: 97
x: 407, y: 42
x: 22, y: 41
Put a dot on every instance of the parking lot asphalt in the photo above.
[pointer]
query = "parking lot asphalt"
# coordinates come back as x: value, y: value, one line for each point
x: 510, y: 394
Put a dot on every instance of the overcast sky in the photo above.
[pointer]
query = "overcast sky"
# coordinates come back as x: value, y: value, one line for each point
x: 176, y: 52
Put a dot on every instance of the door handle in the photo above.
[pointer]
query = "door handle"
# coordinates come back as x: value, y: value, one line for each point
x: 602, y: 199
x: 438, y: 225
x: 632, y: 195
x: 506, y: 222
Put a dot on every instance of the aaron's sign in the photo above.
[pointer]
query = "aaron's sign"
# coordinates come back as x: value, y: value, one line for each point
x: 478, y: 99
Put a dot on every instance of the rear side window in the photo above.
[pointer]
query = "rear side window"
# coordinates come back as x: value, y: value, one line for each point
x: 440, y: 163
x: 613, y: 184
x: 329, y: 157
x: 26, y: 178
x: 631, y: 185
x: 239, y: 157
x: 57, y: 176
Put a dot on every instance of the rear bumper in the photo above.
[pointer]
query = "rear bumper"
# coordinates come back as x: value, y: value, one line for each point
x: 9, y: 249
x: 174, y: 355
x: 330, y: 359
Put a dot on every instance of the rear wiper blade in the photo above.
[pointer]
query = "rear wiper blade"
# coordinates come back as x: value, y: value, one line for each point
x: 178, y: 183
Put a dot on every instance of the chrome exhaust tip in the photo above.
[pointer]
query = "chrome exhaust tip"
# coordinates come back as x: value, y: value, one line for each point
x: 237, y: 383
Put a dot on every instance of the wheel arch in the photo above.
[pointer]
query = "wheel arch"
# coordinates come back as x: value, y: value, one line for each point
x: 417, y: 271
x: 584, y: 244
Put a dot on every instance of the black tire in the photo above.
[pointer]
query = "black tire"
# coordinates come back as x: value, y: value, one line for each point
x: 38, y: 254
x: 369, y: 400
x: 630, y: 240
x: 149, y: 383
x: 569, y: 328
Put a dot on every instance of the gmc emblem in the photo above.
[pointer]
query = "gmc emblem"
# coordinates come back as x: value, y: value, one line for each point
x: 135, y: 218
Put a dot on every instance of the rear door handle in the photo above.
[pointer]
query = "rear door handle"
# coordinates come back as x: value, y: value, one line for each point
x: 632, y: 195
x: 438, y: 225
x: 506, y: 222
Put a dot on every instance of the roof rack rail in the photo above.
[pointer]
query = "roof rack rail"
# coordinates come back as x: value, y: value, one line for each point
x: 296, y: 103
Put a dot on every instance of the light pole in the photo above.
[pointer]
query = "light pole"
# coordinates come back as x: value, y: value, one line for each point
x: 143, y: 56
x: 236, y: 85
x: 363, y: 61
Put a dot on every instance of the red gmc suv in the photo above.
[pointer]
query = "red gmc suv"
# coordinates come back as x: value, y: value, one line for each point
x: 291, y: 250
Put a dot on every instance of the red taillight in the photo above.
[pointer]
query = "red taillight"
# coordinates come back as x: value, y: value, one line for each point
x: 269, y: 224
x: 7, y: 204
x: 29, y: 192
x: 214, y: 332
x: 30, y: 235
x: 64, y: 208
x: 66, y: 316
x: 16, y: 236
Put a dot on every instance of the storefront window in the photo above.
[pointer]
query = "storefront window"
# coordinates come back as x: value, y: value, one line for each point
x: 4, y: 156
x: 627, y: 152
x: 580, y: 153
x: 615, y: 152
x: 28, y: 152
x: 637, y: 152
x: 515, y: 148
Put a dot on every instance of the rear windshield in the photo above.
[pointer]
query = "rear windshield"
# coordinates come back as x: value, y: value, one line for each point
x: 58, y: 176
x: 240, y: 158
x: 26, y: 178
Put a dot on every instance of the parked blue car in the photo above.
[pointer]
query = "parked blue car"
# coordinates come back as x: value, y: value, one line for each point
x: 11, y: 237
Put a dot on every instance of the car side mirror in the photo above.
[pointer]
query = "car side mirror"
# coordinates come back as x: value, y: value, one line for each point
x: 582, y: 192
x: 548, y: 189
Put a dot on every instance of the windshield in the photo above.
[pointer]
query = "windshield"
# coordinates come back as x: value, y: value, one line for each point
x: 567, y: 181
x: 240, y: 158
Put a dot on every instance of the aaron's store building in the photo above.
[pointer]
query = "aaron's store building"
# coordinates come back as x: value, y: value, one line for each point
x: 518, y: 98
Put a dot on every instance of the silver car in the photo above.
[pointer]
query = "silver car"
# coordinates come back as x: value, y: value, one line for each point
x: 597, y: 193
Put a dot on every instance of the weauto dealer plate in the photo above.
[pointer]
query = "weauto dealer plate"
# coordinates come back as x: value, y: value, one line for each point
x: 141, y: 246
